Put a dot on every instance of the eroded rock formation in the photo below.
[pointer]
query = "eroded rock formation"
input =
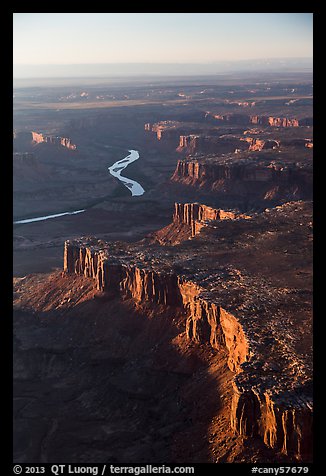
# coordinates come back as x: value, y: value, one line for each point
x: 260, y: 120
x: 246, y: 178
x: 168, y: 128
x: 207, y: 321
x: 203, y: 143
x: 269, y: 416
x: 196, y: 215
x: 200, y: 143
x: 271, y: 387
x: 260, y: 144
x: 64, y: 141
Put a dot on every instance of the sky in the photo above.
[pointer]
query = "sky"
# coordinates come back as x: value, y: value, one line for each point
x: 92, y: 38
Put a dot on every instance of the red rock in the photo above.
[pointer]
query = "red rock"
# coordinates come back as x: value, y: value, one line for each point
x: 64, y: 141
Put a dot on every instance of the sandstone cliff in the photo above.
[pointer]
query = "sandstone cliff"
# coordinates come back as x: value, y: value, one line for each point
x: 259, y: 120
x: 188, y: 220
x: 195, y: 143
x: 196, y: 215
x: 259, y: 144
x: 118, y: 276
x: 64, y: 141
x: 256, y: 144
x: 245, y: 179
x: 203, y: 143
x: 168, y: 129
x: 280, y: 425
x: 206, y: 321
x: 272, y: 408
x: 188, y: 143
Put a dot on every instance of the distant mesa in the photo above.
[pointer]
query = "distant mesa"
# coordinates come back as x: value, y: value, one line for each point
x: 260, y: 120
x: 190, y: 137
x: 64, y: 141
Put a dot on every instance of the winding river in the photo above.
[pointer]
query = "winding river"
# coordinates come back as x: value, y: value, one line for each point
x: 135, y: 188
x: 116, y: 169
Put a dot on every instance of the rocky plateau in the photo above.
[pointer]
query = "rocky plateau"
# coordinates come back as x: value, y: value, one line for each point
x: 175, y: 326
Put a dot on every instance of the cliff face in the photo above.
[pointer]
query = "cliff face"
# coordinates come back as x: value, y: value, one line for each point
x: 140, y: 284
x: 193, y: 143
x: 166, y: 129
x: 259, y: 144
x: 193, y: 170
x: 206, y: 321
x: 188, y: 143
x: 278, y: 121
x: 283, y: 422
x: 38, y: 138
x: 64, y: 141
x: 188, y: 221
x: 195, y: 215
x: 280, y: 425
x: 209, y: 322
x: 260, y: 120
x: 244, y: 180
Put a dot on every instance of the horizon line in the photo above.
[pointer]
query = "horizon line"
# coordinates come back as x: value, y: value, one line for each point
x: 272, y: 58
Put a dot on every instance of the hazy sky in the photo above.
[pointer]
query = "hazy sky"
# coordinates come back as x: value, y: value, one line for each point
x: 72, y: 38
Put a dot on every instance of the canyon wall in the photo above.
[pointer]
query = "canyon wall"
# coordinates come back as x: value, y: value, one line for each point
x: 188, y: 143
x: 168, y: 129
x: 38, y: 138
x: 192, y: 171
x: 137, y: 282
x: 193, y: 143
x: 260, y: 144
x: 282, y: 422
x: 203, y: 143
x: 195, y: 215
x: 206, y: 321
x: 64, y: 141
x: 246, y: 180
x: 260, y: 120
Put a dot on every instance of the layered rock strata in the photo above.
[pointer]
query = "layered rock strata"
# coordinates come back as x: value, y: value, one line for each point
x: 260, y: 120
x: 246, y: 179
x: 194, y: 143
x: 271, y: 396
x: 203, y: 143
x: 64, y: 141
x: 260, y: 144
x: 196, y: 169
x: 197, y: 215
x: 168, y: 128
